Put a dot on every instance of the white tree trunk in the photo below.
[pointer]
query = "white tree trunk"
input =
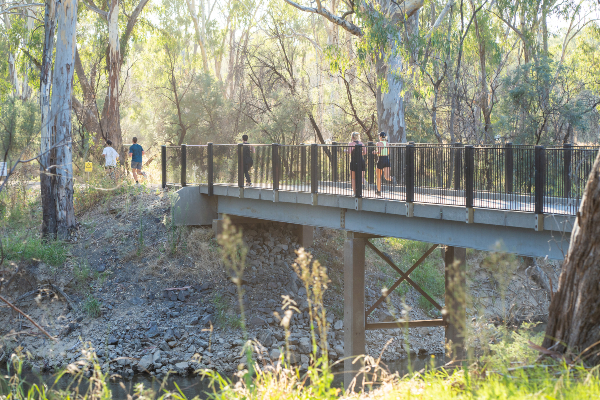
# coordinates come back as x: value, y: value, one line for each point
x: 13, y: 76
x: 199, y: 28
x: 390, y: 103
x: 62, y: 88
x: 48, y: 199
x: 26, y: 89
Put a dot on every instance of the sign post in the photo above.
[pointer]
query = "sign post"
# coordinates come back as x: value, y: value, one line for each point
x: 88, y: 169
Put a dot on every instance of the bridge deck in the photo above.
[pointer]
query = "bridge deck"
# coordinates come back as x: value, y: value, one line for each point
x: 495, y: 201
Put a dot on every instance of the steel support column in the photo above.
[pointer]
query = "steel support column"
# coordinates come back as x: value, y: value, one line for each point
x: 305, y: 235
x: 454, y: 312
x: 354, y: 304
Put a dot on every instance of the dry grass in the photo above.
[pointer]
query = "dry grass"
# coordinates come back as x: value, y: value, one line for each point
x: 203, y: 248
x: 201, y: 251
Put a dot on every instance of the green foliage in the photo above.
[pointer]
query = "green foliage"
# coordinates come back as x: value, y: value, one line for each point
x: 540, y: 92
x: 21, y: 245
x: 515, y: 346
x: 429, y: 275
x: 19, y: 129
x: 91, y: 306
x: 223, y: 315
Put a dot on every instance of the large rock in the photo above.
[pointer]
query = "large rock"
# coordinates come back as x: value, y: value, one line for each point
x: 256, y: 322
x: 385, y: 316
x: 339, y: 349
x: 156, y: 357
x: 275, y: 354
x: 265, y: 337
x: 164, y: 346
x: 153, y: 330
x: 182, y: 367
x: 112, y: 340
x: 339, y: 325
x: 145, y: 363
x: 207, y: 320
x: 304, y: 345
x: 169, y: 335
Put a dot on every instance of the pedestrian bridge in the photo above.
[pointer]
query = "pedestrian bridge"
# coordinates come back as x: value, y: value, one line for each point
x: 515, y: 199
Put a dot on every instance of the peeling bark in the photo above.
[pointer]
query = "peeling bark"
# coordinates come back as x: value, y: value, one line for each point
x: 574, y: 320
x: 62, y: 88
x: 111, y: 121
x: 390, y: 103
x: 46, y: 171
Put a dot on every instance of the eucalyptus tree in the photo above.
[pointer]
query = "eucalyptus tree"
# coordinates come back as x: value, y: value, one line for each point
x: 107, y: 125
x: 61, y: 139
x: 382, y: 26
x: 46, y: 142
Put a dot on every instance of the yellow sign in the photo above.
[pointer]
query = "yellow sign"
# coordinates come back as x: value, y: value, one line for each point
x: 88, y: 167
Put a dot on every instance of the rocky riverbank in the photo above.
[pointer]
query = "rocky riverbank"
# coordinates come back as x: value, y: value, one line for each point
x: 172, y: 307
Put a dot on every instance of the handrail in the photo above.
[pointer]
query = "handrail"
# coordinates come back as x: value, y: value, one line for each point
x: 505, y: 176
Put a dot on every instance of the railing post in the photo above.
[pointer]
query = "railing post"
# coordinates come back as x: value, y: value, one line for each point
x: 183, y: 165
x: 509, y: 167
x: 334, y: 161
x: 409, y: 168
x: 358, y: 179
x: 371, y: 162
x: 240, y: 157
x: 210, y: 172
x: 163, y: 165
x: 314, y: 168
x: 302, y: 162
x: 567, y: 158
x: 469, y: 172
x: 275, y: 165
x: 540, y: 167
x: 458, y: 161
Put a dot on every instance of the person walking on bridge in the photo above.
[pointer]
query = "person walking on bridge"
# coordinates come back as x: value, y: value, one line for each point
x: 357, y: 162
x: 136, y: 152
x: 383, y: 161
x: 248, y: 162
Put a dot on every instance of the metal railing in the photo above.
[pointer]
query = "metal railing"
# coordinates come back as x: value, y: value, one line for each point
x: 507, y: 177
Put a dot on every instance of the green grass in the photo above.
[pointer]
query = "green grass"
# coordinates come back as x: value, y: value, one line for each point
x: 21, y: 246
x: 83, y: 274
x: 429, y: 276
x: 91, y: 306
x: 222, y: 315
x: 547, y: 381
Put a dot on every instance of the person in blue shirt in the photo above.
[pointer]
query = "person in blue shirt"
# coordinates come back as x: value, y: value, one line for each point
x: 136, y: 152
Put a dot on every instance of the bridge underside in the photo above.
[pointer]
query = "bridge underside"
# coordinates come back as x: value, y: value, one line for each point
x: 455, y: 227
x: 488, y: 230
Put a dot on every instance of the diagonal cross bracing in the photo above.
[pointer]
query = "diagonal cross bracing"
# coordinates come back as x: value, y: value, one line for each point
x: 403, y: 276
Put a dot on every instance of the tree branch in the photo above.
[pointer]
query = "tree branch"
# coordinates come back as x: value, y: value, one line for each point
x: 347, y: 25
x: 440, y: 18
x: 130, y: 24
x: 95, y: 9
x: 27, y: 316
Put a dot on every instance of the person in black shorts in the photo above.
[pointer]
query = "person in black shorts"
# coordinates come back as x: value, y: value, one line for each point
x: 383, y: 161
x: 357, y: 162
x: 248, y: 162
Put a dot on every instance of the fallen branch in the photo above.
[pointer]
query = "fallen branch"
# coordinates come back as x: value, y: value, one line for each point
x: 26, y: 295
x: 27, y: 316
x: 63, y: 294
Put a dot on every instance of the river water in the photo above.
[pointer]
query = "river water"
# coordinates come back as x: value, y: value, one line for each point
x: 192, y: 385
